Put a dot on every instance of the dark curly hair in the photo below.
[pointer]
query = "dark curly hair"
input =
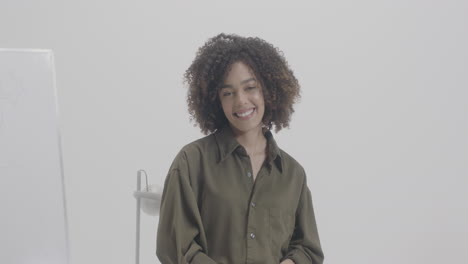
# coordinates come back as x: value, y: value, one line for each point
x: 211, y: 65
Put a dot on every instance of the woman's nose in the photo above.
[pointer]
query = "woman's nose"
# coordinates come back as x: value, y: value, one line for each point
x: 241, y: 98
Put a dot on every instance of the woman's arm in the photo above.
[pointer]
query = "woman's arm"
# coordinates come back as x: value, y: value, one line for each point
x: 180, y: 237
x: 304, y: 246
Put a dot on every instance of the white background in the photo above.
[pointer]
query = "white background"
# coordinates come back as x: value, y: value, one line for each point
x: 381, y: 128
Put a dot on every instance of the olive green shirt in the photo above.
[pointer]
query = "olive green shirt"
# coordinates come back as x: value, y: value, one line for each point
x: 212, y: 210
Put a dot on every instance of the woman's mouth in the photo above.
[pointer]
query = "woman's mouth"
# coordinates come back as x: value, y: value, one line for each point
x: 245, y: 114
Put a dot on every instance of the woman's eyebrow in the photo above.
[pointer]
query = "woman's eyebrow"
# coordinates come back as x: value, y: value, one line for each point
x: 230, y: 86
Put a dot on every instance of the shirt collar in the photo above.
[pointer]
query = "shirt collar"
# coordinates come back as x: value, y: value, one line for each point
x: 227, y: 144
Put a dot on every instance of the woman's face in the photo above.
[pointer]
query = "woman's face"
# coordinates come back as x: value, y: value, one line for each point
x: 242, y: 99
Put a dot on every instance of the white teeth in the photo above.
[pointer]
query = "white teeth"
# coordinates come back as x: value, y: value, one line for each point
x: 246, y: 113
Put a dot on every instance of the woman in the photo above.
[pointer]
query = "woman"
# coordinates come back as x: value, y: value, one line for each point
x: 234, y: 196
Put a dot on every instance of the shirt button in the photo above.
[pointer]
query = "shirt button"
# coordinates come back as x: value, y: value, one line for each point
x: 253, y: 204
x: 252, y: 235
x: 249, y: 174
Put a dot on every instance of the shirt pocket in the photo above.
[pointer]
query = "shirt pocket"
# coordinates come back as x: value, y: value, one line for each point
x: 281, y: 223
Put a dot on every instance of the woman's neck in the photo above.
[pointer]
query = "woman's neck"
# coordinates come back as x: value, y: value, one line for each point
x: 253, y: 141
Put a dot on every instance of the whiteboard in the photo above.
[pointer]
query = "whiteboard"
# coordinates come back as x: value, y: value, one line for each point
x: 33, y: 224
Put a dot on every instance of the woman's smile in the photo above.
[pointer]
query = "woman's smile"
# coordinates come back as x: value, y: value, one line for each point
x: 244, y: 115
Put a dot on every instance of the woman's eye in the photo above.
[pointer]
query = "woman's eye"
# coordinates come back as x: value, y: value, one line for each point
x: 226, y: 94
x: 251, y: 88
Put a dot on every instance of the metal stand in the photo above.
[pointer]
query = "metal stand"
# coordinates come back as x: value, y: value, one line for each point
x: 139, y: 194
x: 137, y: 249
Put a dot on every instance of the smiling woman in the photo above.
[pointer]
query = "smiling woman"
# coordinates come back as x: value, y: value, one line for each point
x: 266, y: 63
x: 234, y: 196
x: 242, y: 99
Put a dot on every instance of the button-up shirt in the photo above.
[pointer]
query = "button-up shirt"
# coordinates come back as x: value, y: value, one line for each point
x: 213, y: 211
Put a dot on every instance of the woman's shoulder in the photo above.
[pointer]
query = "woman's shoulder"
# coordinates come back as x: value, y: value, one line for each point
x: 196, y: 150
x: 201, y: 145
x: 290, y: 164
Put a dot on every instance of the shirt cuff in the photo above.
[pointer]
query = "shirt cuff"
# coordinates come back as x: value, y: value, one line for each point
x: 297, y: 256
x: 202, y: 258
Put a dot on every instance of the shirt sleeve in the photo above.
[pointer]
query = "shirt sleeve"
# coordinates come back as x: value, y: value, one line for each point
x: 304, y: 246
x: 180, y: 236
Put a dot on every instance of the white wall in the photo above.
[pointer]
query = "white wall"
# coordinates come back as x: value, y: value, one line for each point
x: 381, y: 128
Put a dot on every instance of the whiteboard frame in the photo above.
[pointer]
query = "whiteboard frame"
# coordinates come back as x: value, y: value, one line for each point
x: 59, y: 135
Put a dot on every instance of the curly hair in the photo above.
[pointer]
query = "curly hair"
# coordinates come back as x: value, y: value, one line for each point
x: 213, y: 62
